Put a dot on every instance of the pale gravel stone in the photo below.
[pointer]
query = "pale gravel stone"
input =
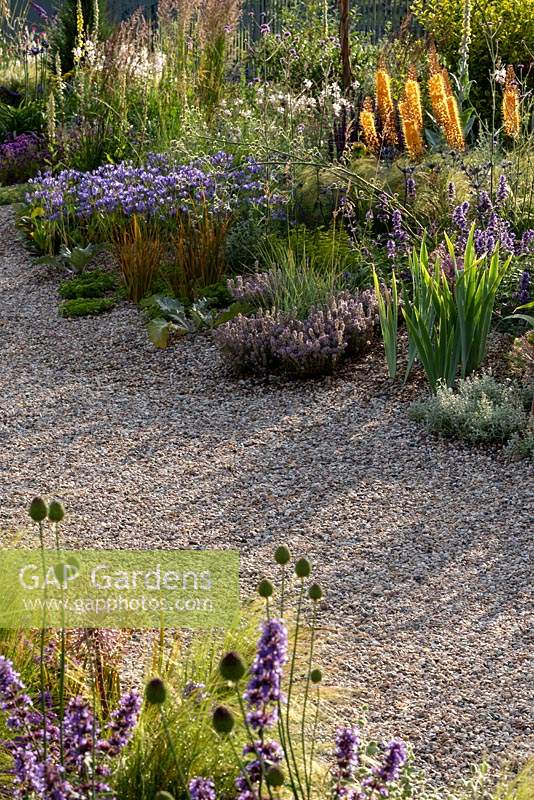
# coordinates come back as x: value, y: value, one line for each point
x: 425, y: 547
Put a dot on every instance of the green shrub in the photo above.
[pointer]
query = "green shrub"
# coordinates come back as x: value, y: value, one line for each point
x: 512, y: 22
x: 86, y: 306
x: 91, y: 284
x: 479, y: 410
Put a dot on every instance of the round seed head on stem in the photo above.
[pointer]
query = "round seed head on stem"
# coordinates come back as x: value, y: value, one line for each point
x: 155, y: 692
x: 38, y: 509
x: 316, y: 676
x: 265, y: 588
x: 223, y: 720
x: 232, y: 667
x: 302, y: 568
x: 56, y: 512
x: 282, y: 555
x: 315, y: 592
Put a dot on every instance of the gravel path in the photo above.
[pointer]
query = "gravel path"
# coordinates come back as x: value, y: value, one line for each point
x: 425, y: 547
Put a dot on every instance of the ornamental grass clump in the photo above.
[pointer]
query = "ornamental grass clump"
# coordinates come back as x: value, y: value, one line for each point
x: 278, y: 341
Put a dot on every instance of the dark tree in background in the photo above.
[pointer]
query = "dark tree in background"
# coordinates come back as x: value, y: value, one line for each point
x: 344, y: 41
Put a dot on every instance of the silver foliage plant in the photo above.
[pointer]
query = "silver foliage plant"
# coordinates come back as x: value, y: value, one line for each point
x: 276, y: 341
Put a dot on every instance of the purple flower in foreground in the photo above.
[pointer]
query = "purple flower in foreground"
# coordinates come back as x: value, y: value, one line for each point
x: 346, y: 752
x: 201, y: 789
x: 523, y: 293
x: 267, y: 754
x: 264, y: 687
x: 123, y: 721
x: 395, y: 757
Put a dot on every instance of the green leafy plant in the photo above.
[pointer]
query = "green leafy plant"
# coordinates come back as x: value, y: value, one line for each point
x: 78, y: 257
x: 91, y: 284
x: 448, y: 325
x: 86, y: 306
x: 177, y: 320
x: 388, y: 311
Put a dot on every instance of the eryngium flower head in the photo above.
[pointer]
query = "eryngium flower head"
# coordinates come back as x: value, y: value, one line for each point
x: 282, y: 555
x: 56, y: 512
x: 223, y: 720
x: 38, y: 509
x: 264, y: 688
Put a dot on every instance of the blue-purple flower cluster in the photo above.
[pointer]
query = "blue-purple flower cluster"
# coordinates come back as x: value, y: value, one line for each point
x: 492, y: 229
x: 265, y: 754
x: 274, y: 341
x: 349, y: 786
x: 21, y: 157
x: 159, y: 190
x: 87, y: 754
x: 264, y: 692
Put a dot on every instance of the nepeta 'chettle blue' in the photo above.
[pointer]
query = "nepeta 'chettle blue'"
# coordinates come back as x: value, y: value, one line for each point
x: 87, y: 755
x: 159, y: 190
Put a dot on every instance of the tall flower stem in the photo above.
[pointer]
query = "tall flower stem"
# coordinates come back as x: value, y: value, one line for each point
x: 307, y: 774
x: 42, y: 643
x: 290, y: 749
x: 168, y: 736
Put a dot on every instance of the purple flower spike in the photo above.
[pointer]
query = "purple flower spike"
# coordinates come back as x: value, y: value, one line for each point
x: 264, y: 687
x: 201, y: 789
x: 347, y: 744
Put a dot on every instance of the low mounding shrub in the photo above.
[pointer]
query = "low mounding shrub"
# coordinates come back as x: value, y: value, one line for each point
x: 274, y: 340
x: 86, y: 306
x: 480, y: 410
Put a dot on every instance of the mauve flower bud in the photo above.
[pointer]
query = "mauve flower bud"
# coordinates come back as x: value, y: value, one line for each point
x: 38, y: 509
x: 282, y: 555
x: 163, y: 796
x: 155, y: 692
x: 315, y: 592
x: 316, y: 676
x: 274, y: 776
x: 223, y: 719
x: 265, y: 588
x: 56, y: 512
x: 302, y: 568
x: 232, y: 667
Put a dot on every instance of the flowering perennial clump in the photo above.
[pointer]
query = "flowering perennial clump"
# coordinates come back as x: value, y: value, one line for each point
x: 21, y: 157
x: 277, y: 341
x: 159, y: 190
x: 492, y: 227
x: 85, y: 768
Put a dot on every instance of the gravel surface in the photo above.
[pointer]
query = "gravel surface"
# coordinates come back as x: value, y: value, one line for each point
x: 424, y: 546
